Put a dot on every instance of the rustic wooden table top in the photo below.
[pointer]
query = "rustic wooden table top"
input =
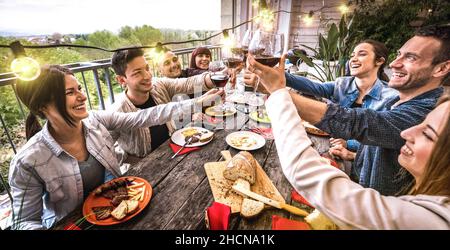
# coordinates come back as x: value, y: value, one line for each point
x: 181, y: 191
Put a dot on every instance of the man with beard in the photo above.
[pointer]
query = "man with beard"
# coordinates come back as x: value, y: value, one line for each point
x: 170, y: 65
x: 421, y: 67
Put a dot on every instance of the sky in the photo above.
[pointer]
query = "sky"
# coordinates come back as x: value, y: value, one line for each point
x: 86, y: 16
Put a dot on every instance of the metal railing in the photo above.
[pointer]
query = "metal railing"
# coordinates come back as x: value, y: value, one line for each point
x: 81, y: 69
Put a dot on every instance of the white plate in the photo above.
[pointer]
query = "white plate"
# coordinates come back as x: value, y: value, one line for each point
x: 178, y: 137
x: 256, y: 141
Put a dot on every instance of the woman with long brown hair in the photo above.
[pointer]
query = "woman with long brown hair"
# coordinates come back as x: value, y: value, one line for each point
x: 73, y: 153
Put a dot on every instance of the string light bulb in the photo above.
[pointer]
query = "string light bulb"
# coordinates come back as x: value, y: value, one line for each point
x: 227, y: 41
x: 157, y: 53
x: 343, y: 9
x: 25, y: 68
x: 309, y: 18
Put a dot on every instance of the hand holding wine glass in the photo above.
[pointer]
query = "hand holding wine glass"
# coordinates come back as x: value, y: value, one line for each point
x: 265, y: 48
x: 272, y: 78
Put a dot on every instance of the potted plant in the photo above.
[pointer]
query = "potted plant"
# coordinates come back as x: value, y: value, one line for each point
x: 329, y: 59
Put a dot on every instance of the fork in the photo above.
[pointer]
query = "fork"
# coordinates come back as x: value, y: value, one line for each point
x: 186, y: 143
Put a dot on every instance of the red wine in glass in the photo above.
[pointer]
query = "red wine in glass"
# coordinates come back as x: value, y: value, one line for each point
x: 232, y: 62
x: 268, y: 61
x: 219, y: 80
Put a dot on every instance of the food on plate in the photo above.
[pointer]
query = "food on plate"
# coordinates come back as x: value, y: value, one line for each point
x: 220, y: 110
x: 243, y: 141
x: 193, y: 135
x: 242, y: 165
x: 204, y: 137
x: 102, y: 212
x: 120, y: 211
x: 124, y: 196
x: 251, y: 208
x: 116, y: 200
x: 313, y: 130
x: 189, y: 132
x: 318, y: 221
x: 126, y: 207
x: 260, y: 116
x: 112, y: 185
x: 132, y: 206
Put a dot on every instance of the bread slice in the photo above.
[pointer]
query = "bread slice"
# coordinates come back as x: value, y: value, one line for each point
x: 242, y: 165
x: 132, y: 206
x: 206, y: 136
x: 251, y: 208
x: 120, y: 211
x: 240, y: 182
x: 318, y: 221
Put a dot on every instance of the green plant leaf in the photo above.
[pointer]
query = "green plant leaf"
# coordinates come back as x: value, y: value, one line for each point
x: 305, y: 59
x: 323, y: 48
x: 332, y: 41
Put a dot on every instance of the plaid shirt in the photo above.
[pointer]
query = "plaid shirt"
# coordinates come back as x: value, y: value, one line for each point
x: 345, y: 92
x: 376, y: 165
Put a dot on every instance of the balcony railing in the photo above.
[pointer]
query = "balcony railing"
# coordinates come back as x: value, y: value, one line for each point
x: 100, y: 72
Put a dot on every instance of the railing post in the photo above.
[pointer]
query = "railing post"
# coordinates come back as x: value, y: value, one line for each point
x: 87, y: 90
x: 13, y: 86
x: 108, y: 82
x: 7, y: 135
x: 99, y: 89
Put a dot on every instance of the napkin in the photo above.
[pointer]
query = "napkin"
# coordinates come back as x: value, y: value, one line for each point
x: 280, y: 223
x: 264, y: 132
x: 300, y: 199
x: 72, y: 226
x: 185, y: 150
x: 218, y: 216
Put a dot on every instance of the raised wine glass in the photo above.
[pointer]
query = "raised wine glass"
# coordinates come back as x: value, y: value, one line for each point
x: 267, y: 49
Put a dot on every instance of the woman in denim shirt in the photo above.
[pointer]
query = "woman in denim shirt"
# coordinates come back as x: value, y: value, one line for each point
x: 74, y: 152
x: 365, y: 88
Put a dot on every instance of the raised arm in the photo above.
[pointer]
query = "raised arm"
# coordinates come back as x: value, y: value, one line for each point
x: 189, y: 85
x: 330, y: 190
x: 153, y: 116
x: 307, y: 86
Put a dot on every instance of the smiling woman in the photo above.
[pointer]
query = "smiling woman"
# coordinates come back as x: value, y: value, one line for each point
x: 73, y: 152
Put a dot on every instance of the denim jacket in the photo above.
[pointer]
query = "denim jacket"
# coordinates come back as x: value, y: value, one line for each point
x: 344, y: 92
x: 46, y: 181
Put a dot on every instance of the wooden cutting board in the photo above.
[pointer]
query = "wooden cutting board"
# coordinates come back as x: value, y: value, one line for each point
x: 221, y: 187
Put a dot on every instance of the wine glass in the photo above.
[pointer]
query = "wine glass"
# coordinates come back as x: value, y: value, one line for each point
x: 267, y: 49
x: 216, y: 66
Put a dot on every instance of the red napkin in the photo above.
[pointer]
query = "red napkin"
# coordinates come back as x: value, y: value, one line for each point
x: 72, y: 226
x: 300, y: 199
x: 218, y: 216
x: 264, y: 132
x: 280, y: 223
x: 185, y: 150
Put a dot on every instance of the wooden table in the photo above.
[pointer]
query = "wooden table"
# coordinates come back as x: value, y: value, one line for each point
x: 181, y: 190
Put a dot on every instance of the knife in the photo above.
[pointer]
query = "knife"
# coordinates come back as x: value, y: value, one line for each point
x: 245, y: 192
x: 179, y: 150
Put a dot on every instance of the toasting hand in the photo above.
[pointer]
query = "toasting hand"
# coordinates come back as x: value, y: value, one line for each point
x: 272, y: 79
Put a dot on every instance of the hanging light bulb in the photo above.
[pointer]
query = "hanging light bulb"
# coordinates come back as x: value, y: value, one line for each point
x: 343, y: 9
x: 157, y: 53
x: 25, y: 68
x: 265, y: 16
x: 227, y: 41
x: 309, y: 18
